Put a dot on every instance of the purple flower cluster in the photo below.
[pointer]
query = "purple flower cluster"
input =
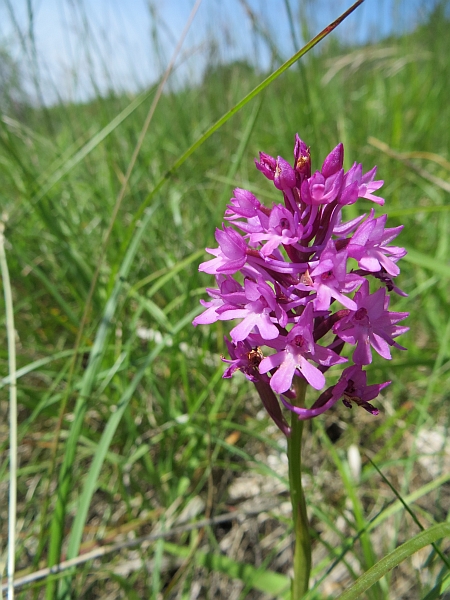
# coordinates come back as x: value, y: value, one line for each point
x: 296, y: 296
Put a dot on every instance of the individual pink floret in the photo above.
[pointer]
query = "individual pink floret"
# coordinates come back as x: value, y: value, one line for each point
x: 297, y: 349
x: 371, y: 325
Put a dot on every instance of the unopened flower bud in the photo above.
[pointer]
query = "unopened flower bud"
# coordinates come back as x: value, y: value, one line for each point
x: 334, y: 161
x: 284, y: 175
x: 267, y: 165
x: 302, y: 156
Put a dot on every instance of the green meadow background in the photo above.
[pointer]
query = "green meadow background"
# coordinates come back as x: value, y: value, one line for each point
x: 126, y: 427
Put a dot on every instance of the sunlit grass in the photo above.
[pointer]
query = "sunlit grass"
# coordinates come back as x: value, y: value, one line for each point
x: 183, y: 431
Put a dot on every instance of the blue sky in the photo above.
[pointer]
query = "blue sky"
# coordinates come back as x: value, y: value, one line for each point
x: 82, y: 45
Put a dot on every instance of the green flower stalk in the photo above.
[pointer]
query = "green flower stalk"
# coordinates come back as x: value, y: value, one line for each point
x: 302, y: 549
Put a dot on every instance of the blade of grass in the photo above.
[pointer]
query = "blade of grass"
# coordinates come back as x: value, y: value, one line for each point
x: 156, y: 574
x: 438, y: 590
x: 428, y: 262
x: 410, y: 512
x: 41, y: 362
x: 445, y: 185
x: 165, y: 277
x: 385, y: 514
x: 11, y: 335
x: 81, y: 154
x: 237, y: 158
x: 393, y: 559
x: 53, y: 290
x: 92, y: 479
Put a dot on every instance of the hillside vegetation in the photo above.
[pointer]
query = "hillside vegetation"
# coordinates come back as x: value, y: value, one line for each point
x: 130, y: 424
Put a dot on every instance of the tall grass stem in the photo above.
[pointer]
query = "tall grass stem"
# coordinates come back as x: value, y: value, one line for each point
x: 11, y: 335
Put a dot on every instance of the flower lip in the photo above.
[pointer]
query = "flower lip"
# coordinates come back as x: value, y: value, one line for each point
x: 319, y: 190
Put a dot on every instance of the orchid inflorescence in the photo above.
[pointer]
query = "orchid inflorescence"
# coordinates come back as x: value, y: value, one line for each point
x: 294, y: 292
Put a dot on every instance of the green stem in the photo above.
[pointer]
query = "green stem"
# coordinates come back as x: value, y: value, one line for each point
x: 11, y: 335
x: 302, y: 552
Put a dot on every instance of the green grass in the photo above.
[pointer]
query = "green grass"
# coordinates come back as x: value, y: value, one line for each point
x: 149, y: 425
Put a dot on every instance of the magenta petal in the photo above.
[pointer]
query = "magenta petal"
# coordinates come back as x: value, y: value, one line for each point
x: 270, y: 362
x: 362, y: 354
x: 312, y: 374
x: 310, y: 413
x: 241, y: 331
x: 266, y: 165
x: 281, y: 381
x: 381, y: 346
x: 267, y: 329
x: 349, y: 195
x: 231, y: 243
x: 370, y: 263
x: 347, y: 302
x: 389, y: 265
x: 207, y: 317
